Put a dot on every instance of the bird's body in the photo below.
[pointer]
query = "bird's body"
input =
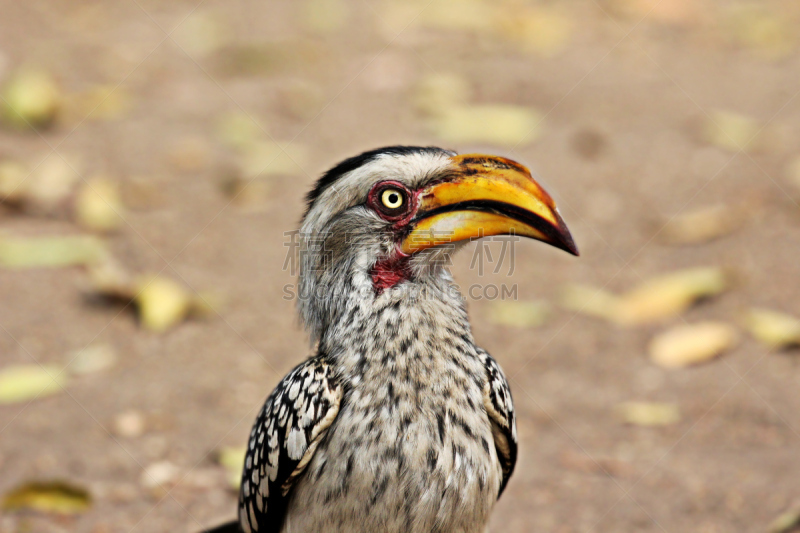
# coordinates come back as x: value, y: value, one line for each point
x: 398, y: 422
x: 411, y: 449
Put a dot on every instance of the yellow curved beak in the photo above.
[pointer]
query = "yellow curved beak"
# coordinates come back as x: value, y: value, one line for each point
x: 485, y: 196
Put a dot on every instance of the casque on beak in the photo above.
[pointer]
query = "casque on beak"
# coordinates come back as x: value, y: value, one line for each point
x: 486, y: 195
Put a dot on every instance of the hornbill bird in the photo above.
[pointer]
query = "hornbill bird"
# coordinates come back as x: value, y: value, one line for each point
x: 398, y: 422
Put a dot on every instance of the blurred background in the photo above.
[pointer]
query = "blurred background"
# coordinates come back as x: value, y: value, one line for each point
x: 154, y: 154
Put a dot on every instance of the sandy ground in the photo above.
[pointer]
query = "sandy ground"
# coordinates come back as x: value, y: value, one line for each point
x: 639, y: 86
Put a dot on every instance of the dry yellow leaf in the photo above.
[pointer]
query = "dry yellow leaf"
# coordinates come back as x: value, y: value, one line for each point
x: 687, y: 345
x: 439, y: 92
x: 731, y: 131
x: 702, y: 225
x: 57, y: 497
x: 325, y: 16
x: 648, y: 414
x: 51, y: 184
x: 669, y: 295
x: 202, y: 33
x: 13, y: 176
x: 31, y: 98
x: 792, y: 173
x: 162, y: 303
x: 520, y: 314
x: 543, y: 30
x: 101, y: 102
x: 776, y: 330
x: 501, y: 124
x: 232, y: 459
x: 98, y: 205
x: 110, y: 279
x: 679, y: 12
x: 21, y: 383
x: 251, y: 195
x: 588, y: 300
x: 92, y: 359
x: 35, y: 252
x: 160, y: 475
x: 787, y: 522
x: 768, y: 34
x: 457, y: 15
x: 267, y: 158
x: 237, y: 129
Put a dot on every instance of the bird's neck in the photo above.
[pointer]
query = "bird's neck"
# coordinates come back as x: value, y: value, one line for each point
x: 416, y: 315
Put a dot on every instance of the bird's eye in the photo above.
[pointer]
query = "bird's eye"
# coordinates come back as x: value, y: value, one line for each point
x: 392, y: 199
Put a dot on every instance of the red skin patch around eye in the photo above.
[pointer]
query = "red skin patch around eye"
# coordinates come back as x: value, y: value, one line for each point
x: 391, y: 271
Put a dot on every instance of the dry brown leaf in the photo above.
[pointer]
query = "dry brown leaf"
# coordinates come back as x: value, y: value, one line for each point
x: 251, y: 195
x: 776, y: 330
x: 582, y: 462
x: 648, y: 414
x: 262, y: 58
x: 669, y: 295
x: 57, y: 497
x: 31, y: 98
x: 37, y: 252
x: 520, y: 314
x: 98, y: 205
x: 142, y: 193
x: 589, y: 143
x: 21, y: 383
x: 702, y: 225
x: 301, y: 99
x: 189, y: 154
x: 692, y: 344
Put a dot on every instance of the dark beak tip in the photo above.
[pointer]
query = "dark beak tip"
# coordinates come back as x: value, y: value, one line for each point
x: 568, y: 245
x: 567, y: 242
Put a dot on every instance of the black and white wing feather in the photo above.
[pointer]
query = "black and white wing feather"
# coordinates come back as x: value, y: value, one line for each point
x: 288, y: 430
x: 500, y: 408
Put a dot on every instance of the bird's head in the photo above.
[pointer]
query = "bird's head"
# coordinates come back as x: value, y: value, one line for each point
x: 393, y: 215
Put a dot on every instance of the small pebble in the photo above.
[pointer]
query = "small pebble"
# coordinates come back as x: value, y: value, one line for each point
x: 129, y: 424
